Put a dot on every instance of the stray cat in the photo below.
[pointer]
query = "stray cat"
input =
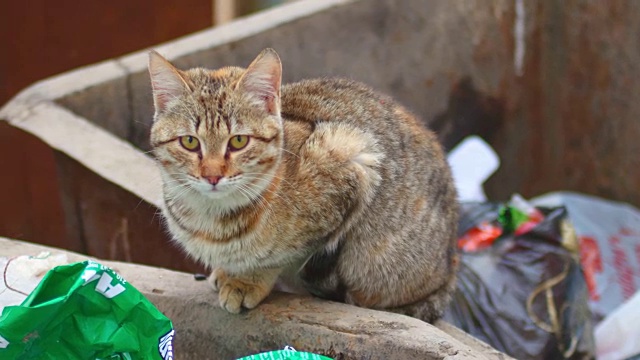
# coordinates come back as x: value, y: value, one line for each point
x: 324, y: 179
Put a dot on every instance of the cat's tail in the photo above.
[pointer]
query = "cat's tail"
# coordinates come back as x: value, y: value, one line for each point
x: 432, y: 307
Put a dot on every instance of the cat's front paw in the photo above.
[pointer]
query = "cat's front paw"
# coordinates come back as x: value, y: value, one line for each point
x: 238, y: 291
x: 217, y: 278
x: 235, y: 294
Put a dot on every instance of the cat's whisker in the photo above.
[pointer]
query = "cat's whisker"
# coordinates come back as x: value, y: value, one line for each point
x: 182, y: 190
x: 261, y: 198
x: 292, y: 153
x: 264, y: 176
x: 173, y: 181
x: 262, y: 202
x: 256, y: 194
x: 139, y: 202
x: 246, y: 196
x: 255, y: 188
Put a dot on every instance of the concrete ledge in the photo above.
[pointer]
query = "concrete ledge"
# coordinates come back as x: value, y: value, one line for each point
x: 205, y: 331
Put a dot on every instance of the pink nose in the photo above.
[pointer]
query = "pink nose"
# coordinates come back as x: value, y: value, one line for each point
x: 213, y: 180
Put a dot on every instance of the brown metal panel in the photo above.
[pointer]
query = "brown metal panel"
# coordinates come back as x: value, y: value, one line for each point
x: 574, y: 115
x: 113, y: 224
x: 30, y: 206
x: 41, y: 38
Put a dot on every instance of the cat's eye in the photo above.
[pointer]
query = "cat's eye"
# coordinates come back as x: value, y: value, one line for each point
x: 190, y: 143
x: 238, y: 142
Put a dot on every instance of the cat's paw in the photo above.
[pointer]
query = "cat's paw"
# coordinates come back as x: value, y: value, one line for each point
x: 238, y: 291
x: 217, y: 278
x: 235, y: 294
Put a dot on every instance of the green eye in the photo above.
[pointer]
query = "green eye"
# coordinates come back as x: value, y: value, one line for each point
x: 238, y: 142
x: 190, y: 143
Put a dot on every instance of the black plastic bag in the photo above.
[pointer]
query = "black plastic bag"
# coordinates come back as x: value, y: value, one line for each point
x: 525, y: 294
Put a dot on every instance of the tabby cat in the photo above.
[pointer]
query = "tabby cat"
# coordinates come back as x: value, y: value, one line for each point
x: 324, y: 181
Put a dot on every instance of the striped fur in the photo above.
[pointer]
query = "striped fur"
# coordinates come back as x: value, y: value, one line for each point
x: 339, y: 188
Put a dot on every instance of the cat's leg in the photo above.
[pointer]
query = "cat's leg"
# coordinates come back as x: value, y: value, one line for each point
x: 246, y: 290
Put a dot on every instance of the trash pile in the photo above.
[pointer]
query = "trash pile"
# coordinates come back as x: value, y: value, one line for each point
x: 554, y: 277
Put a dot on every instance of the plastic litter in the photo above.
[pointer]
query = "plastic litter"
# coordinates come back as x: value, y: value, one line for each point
x: 288, y: 353
x: 523, y: 292
x: 85, y: 311
x: 609, y: 236
x: 617, y: 335
x: 472, y: 161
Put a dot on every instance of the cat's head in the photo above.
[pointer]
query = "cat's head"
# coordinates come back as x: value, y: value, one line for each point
x: 217, y: 132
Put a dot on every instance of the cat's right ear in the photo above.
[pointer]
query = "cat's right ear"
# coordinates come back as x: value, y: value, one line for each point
x: 167, y: 81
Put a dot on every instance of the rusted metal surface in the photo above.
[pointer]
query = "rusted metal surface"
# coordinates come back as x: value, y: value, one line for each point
x: 106, y: 221
x: 574, y: 126
x: 54, y: 200
x: 40, y: 38
x: 30, y: 203
x: 468, y: 112
x: 561, y: 117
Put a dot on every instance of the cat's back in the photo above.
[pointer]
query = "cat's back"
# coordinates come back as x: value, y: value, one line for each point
x: 414, y: 217
x: 414, y: 174
x: 335, y: 99
x: 346, y: 101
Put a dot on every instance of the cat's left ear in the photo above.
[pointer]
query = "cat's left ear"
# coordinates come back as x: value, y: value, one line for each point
x: 262, y: 81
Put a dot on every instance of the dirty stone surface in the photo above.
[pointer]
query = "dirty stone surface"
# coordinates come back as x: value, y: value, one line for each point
x: 204, y: 331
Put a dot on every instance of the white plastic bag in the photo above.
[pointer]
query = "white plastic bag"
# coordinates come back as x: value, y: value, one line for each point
x: 609, y: 235
x: 617, y: 335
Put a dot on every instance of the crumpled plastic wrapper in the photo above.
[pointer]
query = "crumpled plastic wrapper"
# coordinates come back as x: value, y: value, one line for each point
x: 288, y: 353
x: 84, y: 311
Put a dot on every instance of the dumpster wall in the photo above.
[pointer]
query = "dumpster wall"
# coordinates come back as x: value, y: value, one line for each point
x: 549, y: 84
x: 572, y: 117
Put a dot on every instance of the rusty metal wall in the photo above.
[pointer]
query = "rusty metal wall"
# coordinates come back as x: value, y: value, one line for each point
x: 564, y: 116
x: 573, y: 117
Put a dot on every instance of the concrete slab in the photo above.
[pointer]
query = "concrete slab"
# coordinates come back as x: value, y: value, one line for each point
x: 205, y: 331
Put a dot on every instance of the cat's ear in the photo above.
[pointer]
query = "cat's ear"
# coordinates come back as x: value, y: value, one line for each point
x: 167, y: 81
x: 262, y: 81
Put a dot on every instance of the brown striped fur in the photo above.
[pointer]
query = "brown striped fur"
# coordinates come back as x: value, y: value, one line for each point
x: 339, y: 188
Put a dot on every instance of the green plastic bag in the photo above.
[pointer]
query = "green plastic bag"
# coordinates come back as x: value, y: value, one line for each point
x: 288, y: 353
x: 85, y: 311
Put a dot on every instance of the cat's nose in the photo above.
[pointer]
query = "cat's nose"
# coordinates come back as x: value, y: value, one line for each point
x: 213, y: 180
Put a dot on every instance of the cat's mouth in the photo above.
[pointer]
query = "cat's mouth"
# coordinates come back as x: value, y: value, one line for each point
x: 214, y: 192
x: 208, y: 189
